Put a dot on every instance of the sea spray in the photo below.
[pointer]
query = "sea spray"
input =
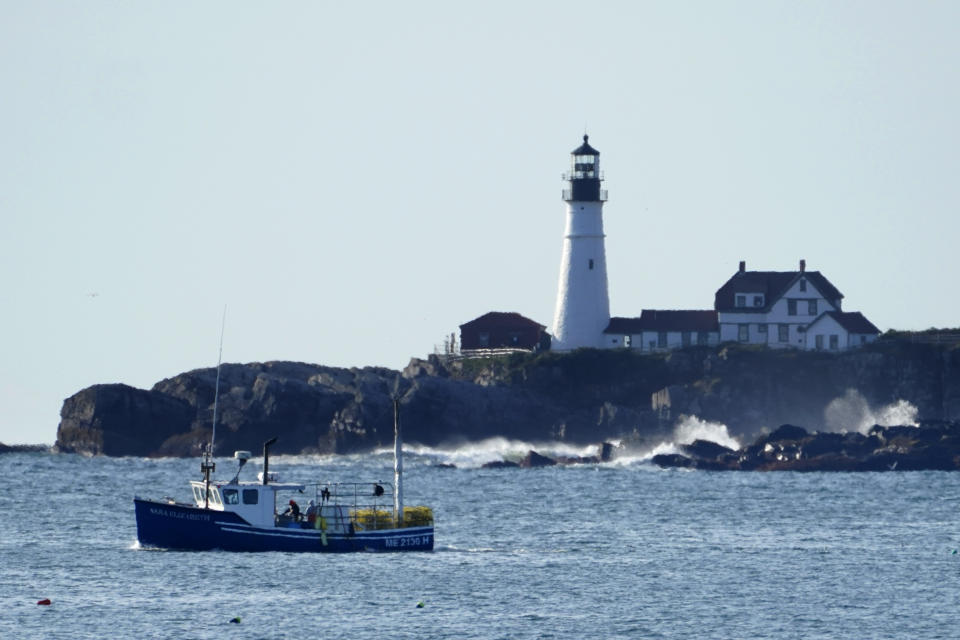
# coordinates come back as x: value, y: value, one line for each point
x: 852, y: 412
x: 691, y: 428
x: 471, y: 455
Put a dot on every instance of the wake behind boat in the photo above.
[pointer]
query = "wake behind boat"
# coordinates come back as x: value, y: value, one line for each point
x: 244, y: 516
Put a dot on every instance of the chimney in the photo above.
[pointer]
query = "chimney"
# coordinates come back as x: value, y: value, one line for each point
x: 743, y: 266
x: 803, y: 265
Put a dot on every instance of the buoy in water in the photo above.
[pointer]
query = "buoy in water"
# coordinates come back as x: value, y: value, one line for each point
x: 44, y: 601
x: 420, y: 605
x: 235, y: 620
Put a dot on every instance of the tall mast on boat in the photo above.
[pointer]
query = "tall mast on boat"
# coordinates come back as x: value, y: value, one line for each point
x: 397, y: 463
x: 207, y: 465
x: 216, y: 389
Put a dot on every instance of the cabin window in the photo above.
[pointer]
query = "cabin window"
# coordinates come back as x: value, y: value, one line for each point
x: 231, y: 496
x: 791, y: 307
x: 812, y: 307
x: 741, y: 301
x: 215, y: 496
x: 783, y: 332
x: 250, y: 496
x: 198, y: 494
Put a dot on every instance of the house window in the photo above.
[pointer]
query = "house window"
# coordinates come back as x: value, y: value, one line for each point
x: 791, y: 307
x: 685, y: 338
x: 783, y: 332
x: 702, y: 337
x: 863, y: 339
x: 591, y: 264
x: 758, y: 301
x: 662, y: 339
x: 834, y: 342
x: 653, y: 345
x: 743, y: 332
x: 812, y: 307
x: 627, y: 341
x: 484, y: 339
x: 803, y: 284
x: 741, y: 301
x: 761, y: 328
x: 819, y: 343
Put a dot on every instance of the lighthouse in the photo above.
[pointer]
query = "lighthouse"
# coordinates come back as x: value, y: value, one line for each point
x: 583, y: 306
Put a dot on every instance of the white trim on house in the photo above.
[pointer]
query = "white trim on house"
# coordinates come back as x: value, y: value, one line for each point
x: 785, y: 320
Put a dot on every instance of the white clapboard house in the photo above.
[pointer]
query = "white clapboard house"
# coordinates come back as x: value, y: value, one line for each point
x: 799, y: 309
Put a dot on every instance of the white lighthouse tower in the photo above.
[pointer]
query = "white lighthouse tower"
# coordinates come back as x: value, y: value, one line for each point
x: 583, y: 306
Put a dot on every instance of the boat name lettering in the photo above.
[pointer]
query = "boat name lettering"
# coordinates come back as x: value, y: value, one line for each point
x: 176, y: 514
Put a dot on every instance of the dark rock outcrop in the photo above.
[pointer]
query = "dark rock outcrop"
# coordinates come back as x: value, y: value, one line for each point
x: 580, y: 397
x: 930, y: 446
x: 23, y: 448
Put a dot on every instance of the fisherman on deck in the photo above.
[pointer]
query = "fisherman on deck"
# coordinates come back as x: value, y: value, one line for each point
x: 293, y: 510
x: 312, y: 512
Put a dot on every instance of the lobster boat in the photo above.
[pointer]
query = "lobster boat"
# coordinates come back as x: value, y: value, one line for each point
x: 246, y: 515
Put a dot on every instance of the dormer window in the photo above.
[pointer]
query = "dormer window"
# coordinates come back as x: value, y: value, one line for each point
x: 741, y: 301
x: 758, y: 301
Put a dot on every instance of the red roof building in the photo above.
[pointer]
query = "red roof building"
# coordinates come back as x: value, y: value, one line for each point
x: 503, y: 330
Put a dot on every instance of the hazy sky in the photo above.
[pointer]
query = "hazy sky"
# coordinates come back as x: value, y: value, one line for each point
x: 355, y: 180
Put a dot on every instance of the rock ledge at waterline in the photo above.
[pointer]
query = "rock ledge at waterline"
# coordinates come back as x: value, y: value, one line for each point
x: 583, y: 397
x: 927, y: 447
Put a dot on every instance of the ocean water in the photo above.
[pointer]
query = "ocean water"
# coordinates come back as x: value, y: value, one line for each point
x: 619, y: 550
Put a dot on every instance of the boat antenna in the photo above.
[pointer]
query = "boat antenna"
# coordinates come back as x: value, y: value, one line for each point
x: 397, y: 461
x: 207, y: 465
x: 216, y: 388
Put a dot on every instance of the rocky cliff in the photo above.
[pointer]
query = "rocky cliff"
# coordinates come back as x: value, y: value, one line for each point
x: 582, y: 397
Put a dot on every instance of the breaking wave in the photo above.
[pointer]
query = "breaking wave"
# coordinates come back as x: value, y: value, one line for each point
x: 476, y: 454
x: 852, y: 412
x: 691, y: 428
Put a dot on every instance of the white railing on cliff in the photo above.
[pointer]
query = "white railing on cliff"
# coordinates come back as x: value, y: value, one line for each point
x: 466, y: 354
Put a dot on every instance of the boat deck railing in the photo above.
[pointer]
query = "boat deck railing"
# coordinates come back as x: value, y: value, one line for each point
x: 366, y: 505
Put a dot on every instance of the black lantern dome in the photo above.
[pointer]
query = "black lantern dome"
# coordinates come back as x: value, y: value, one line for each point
x: 584, y: 176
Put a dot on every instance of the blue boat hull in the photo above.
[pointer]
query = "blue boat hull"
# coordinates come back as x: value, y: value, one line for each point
x: 176, y: 526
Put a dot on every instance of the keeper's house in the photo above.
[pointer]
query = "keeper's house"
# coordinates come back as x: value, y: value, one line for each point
x: 799, y: 309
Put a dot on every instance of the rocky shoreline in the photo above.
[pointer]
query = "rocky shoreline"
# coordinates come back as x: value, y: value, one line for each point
x: 580, y: 398
x: 933, y: 446
x: 24, y: 448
